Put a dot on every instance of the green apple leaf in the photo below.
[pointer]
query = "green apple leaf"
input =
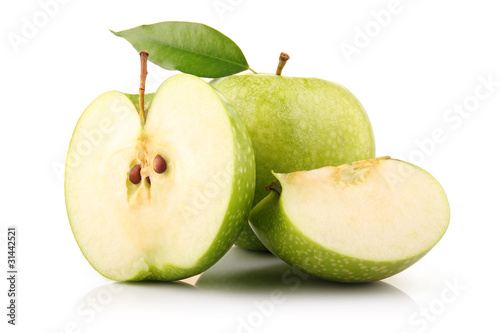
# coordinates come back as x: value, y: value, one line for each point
x: 191, y: 48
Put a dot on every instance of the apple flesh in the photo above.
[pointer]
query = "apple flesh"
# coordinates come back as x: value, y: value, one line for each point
x: 137, y: 216
x: 296, y: 124
x: 354, y: 223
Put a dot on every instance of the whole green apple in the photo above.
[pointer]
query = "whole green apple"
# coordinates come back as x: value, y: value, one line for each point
x: 353, y: 223
x: 159, y: 191
x: 296, y: 124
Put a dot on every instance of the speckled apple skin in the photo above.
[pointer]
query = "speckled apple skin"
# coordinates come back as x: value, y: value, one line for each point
x: 237, y: 212
x: 273, y: 227
x: 296, y: 124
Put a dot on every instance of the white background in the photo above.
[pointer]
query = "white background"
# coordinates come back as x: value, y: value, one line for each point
x: 430, y: 57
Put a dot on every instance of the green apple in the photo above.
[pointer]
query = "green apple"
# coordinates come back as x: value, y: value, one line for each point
x: 296, y: 124
x: 354, y: 223
x: 160, y: 194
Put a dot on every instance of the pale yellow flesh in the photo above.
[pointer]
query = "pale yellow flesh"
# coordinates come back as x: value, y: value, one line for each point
x: 376, y: 210
x: 174, y: 220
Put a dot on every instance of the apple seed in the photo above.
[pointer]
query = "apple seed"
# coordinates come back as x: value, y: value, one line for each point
x: 159, y: 164
x: 135, y: 174
x: 148, y: 180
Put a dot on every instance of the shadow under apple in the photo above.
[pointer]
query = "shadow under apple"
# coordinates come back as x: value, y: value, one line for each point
x: 242, y: 271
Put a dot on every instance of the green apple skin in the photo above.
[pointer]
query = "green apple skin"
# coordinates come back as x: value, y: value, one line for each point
x: 296, y: 124
x: 280, y: 235
x: 237, y: 209
x: 285, y: 241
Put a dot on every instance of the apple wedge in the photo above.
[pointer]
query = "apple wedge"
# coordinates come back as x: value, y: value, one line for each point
x: 161, y: 195
x: 358, y: 222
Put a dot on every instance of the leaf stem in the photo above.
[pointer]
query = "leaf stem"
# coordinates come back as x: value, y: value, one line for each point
x: 253, y: 70
x: 283, y: 59
x: 142, y: 86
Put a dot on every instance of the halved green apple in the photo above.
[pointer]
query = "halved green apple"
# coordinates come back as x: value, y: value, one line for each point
x: 162, y: 198
x: 358, y: 222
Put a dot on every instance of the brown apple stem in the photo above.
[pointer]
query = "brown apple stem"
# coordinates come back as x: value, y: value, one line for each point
x: 283, y: 59
x: 275, y: 187
x: 142, y: 86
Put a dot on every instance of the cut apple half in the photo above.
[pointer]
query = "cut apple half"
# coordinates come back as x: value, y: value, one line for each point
x: 359, y: 222
x: 163, y: 200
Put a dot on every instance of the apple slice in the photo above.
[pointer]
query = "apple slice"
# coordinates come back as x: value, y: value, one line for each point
x: 354, y: 223
x: 162, y: 196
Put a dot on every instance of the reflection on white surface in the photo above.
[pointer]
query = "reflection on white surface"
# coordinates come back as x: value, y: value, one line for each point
x: 256, y: 273
x: 283, y: 295
x: 246, y: 292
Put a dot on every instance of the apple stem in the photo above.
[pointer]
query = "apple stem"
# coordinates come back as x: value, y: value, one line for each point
x: 283, y: 59
x: 275, y: 187
x: 142, y: 86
